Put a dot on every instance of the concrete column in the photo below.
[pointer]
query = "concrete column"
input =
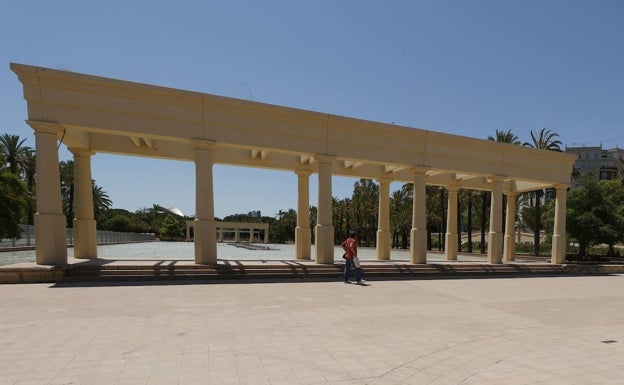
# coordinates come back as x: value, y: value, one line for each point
x: 324, y: 228
x: 205, y: 227
x: 251, y: 234
x: 509, y: 248
x: 559, y: 232
x: 495, y: 236
x: 85, y: 233
x: 236, y: 234
x: 450, y: 241
x: 50, y: 233
x: 266, y: 235
x: 418, y: 234
x: 188, y: 231
x: 383, y: 231
x: 303, y: 241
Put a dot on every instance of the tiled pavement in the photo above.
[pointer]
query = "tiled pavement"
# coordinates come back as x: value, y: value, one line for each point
x: 548, y: 330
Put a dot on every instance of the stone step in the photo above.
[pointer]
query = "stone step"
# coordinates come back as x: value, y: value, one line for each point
x: 251, y: 271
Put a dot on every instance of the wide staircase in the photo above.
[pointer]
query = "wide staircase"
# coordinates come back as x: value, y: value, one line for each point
x: 293, y: 270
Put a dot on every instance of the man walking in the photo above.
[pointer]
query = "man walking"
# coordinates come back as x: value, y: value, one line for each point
x: 350, y: 248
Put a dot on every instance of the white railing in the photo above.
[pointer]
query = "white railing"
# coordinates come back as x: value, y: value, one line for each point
x: 103, y: 237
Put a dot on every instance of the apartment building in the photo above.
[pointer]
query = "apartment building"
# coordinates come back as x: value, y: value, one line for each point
x: 597, y: 163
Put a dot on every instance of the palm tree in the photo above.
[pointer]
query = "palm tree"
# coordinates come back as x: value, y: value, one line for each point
x: 365, y: 205
x: 435, y: 213
x: 101, y: 201
x: 66, y: 170
x: 341, y: 215
x: 14, y: 152
x: 401, y: 215
x: 544, y: 140
x: 466, y: 197
x: 30, y: 170
x: 501, y: 137
x: 504, y: 137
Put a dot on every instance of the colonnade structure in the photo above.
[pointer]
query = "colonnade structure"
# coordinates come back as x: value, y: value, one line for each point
x: 99, y: 115
x: 235, y: 228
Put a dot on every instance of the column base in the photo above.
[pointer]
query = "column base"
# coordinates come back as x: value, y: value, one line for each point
x: 509, y: 248
x: 383, y: 245
x: 418, y: 246
x: 205, y: 242
x: 324, y: 244
x: 450, y: 246
x: 50, y: 239
x: 558, y: 249
x: 303, y: 243
x: 85, y: 239
x: 495, y: 248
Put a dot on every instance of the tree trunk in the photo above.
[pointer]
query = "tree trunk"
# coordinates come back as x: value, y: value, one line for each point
x: 459, y: 229
x: 483, y: 217
x: 536, y: 231
x: 442, y: 221
x: 470, y: 223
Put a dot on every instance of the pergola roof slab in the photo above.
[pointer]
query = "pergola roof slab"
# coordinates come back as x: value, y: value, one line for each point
x: 121, y: 117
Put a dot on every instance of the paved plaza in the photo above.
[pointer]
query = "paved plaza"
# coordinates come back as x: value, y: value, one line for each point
x: 547, y: 330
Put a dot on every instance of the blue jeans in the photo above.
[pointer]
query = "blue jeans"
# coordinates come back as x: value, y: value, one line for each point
x: 347, y: 271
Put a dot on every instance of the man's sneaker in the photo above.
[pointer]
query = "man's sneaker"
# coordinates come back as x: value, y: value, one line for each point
x: 347, y: 281
x: 361, y: 282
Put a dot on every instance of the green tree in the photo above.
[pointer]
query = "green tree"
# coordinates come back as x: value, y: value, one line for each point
x: 12, y: 204
x: 172, y: 228
x: 119, y: 222
x: 594, y: 215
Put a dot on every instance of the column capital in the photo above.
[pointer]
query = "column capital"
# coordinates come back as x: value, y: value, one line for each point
x: 84, y: 152
x: 419, y: 170
x: 511, y: 194
x: 203, y: 145
x: 46, y: 127
x: 496, y: 179
x: 452, y: 187
x: 561, y: 186
x: 384, y: 180
x: 303, y: 173
x: 324, y: 158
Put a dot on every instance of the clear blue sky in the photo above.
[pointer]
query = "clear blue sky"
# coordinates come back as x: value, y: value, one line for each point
x: 461, y: 67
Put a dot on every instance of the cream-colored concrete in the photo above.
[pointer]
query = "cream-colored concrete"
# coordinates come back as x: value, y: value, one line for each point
x: 114, y: 116
x: 383, y: 233
x: 509, y: 245
x: 303, y: 240
x: 205, y: 229
x: 51, y: 245
x: 85, y: 232
x: 418, y: 234
x: 495, y: 236
x: 553, y: 331
x: 451, y: 236
x: 559, y: 234
x: 324, y: 228
x: 222, y: 227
